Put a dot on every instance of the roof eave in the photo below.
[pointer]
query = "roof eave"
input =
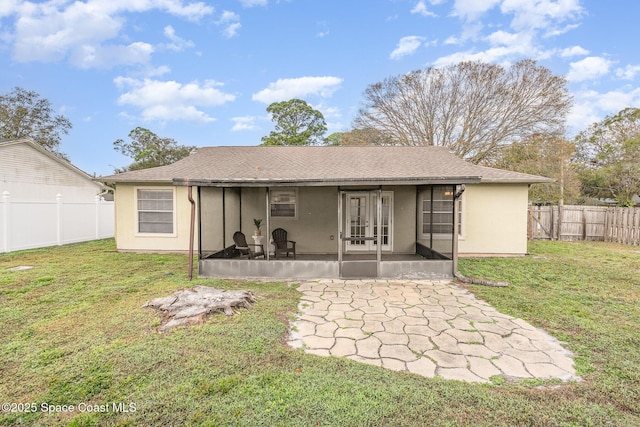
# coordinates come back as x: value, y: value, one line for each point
x: 111, y: 181
x: 540, y: 180
x: 324, y: 182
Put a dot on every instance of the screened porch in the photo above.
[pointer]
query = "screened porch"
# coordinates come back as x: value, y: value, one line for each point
x: 401, y: 231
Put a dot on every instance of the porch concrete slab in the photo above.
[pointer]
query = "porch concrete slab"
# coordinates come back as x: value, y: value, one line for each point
x: 427, y: 327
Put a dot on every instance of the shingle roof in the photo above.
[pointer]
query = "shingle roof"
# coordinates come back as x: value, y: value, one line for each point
x: 259, y: 166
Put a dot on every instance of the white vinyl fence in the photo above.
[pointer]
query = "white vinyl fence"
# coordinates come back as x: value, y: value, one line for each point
x: 38, y: 224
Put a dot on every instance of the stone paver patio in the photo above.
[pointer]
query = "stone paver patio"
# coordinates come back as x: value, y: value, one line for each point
x: 426, y: 327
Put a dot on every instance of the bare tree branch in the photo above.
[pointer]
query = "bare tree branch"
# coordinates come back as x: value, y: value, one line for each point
x: 472, y: 107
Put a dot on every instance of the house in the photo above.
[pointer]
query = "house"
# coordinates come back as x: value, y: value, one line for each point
x: 365, y: 211
x: 45, y: 200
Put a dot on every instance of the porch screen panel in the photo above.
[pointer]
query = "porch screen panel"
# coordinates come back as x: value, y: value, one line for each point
x: 155, y: 211
x: 437, y: 212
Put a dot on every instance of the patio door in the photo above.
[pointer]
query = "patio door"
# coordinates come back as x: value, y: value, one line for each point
x: 362, y: 221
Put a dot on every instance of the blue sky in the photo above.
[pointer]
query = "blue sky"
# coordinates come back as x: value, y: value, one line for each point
x: 204, y: 72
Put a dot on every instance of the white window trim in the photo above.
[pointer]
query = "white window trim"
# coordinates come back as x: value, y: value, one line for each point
x: 296, y: 204
x: 136, y: 218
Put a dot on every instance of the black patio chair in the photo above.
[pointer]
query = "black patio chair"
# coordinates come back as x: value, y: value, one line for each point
x: 246, y: 250
x: 282, y: 245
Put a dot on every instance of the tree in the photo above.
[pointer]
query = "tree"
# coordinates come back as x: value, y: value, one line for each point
x: 149, y: 150
x: 296, y: 124
x: 547, y: 156
x: 608, y: 153
x: 24, y: 114
x: 367, y: 136
x: 473, y: 108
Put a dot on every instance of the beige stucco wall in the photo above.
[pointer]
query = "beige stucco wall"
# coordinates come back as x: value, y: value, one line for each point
x: 494, y: 219
x: 127, y: 238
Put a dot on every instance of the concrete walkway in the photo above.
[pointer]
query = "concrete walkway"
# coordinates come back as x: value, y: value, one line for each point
x: 426, y: 327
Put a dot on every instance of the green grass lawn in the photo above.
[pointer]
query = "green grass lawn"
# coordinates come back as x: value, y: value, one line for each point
x: 73, y: 332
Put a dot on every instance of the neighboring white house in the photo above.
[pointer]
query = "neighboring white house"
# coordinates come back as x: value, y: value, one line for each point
x: 46, y: 201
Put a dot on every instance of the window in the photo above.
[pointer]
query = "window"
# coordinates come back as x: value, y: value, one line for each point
x: 437, y: 210
x: 155, y: 211
x: 283, y: 203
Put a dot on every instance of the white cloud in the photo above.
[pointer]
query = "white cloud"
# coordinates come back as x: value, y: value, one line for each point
x: 324, y: 29
x: 492, y: 55
x: 588, y: 68
x: 629, y: 72
x: 8, y: 7
x: 177, y: 43
x: 452, y: 40
x: 170, y: 100
x: 191, y: 11
x: 231, y: 23
x: 244, y: 123
x: 105, y: 56
x: 156, y: 71
x: 531, y: 22
x: 83, y: 31
x: 231, y: 30
x: 573, y: 51
x: 421, y: 9
x: 252, y: 3
x: 285, y: 89
x: 503, y: 38
x: 407, y: 46
x: 540, y: 13
x: 472, y: 9
x: 591, y: 106
x: 505, y: 47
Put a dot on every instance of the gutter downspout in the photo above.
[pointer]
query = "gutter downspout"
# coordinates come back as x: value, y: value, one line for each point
x: 191, y: 230
x: 456, y: 225
x: 456, y: 229
x: 268, y: 216
x: 379, y: 232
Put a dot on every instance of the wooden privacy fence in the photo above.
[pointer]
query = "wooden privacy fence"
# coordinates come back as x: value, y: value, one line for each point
x: 610, y: 224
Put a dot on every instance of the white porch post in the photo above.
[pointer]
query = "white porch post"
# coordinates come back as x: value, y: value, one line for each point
x: 192, y: 225
x: 340, y: 231
x: 456, y: 227
x: 379, y: 230
x: 267, y: 247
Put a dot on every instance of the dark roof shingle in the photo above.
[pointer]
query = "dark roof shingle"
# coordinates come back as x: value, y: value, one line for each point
x: 251, y: 166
